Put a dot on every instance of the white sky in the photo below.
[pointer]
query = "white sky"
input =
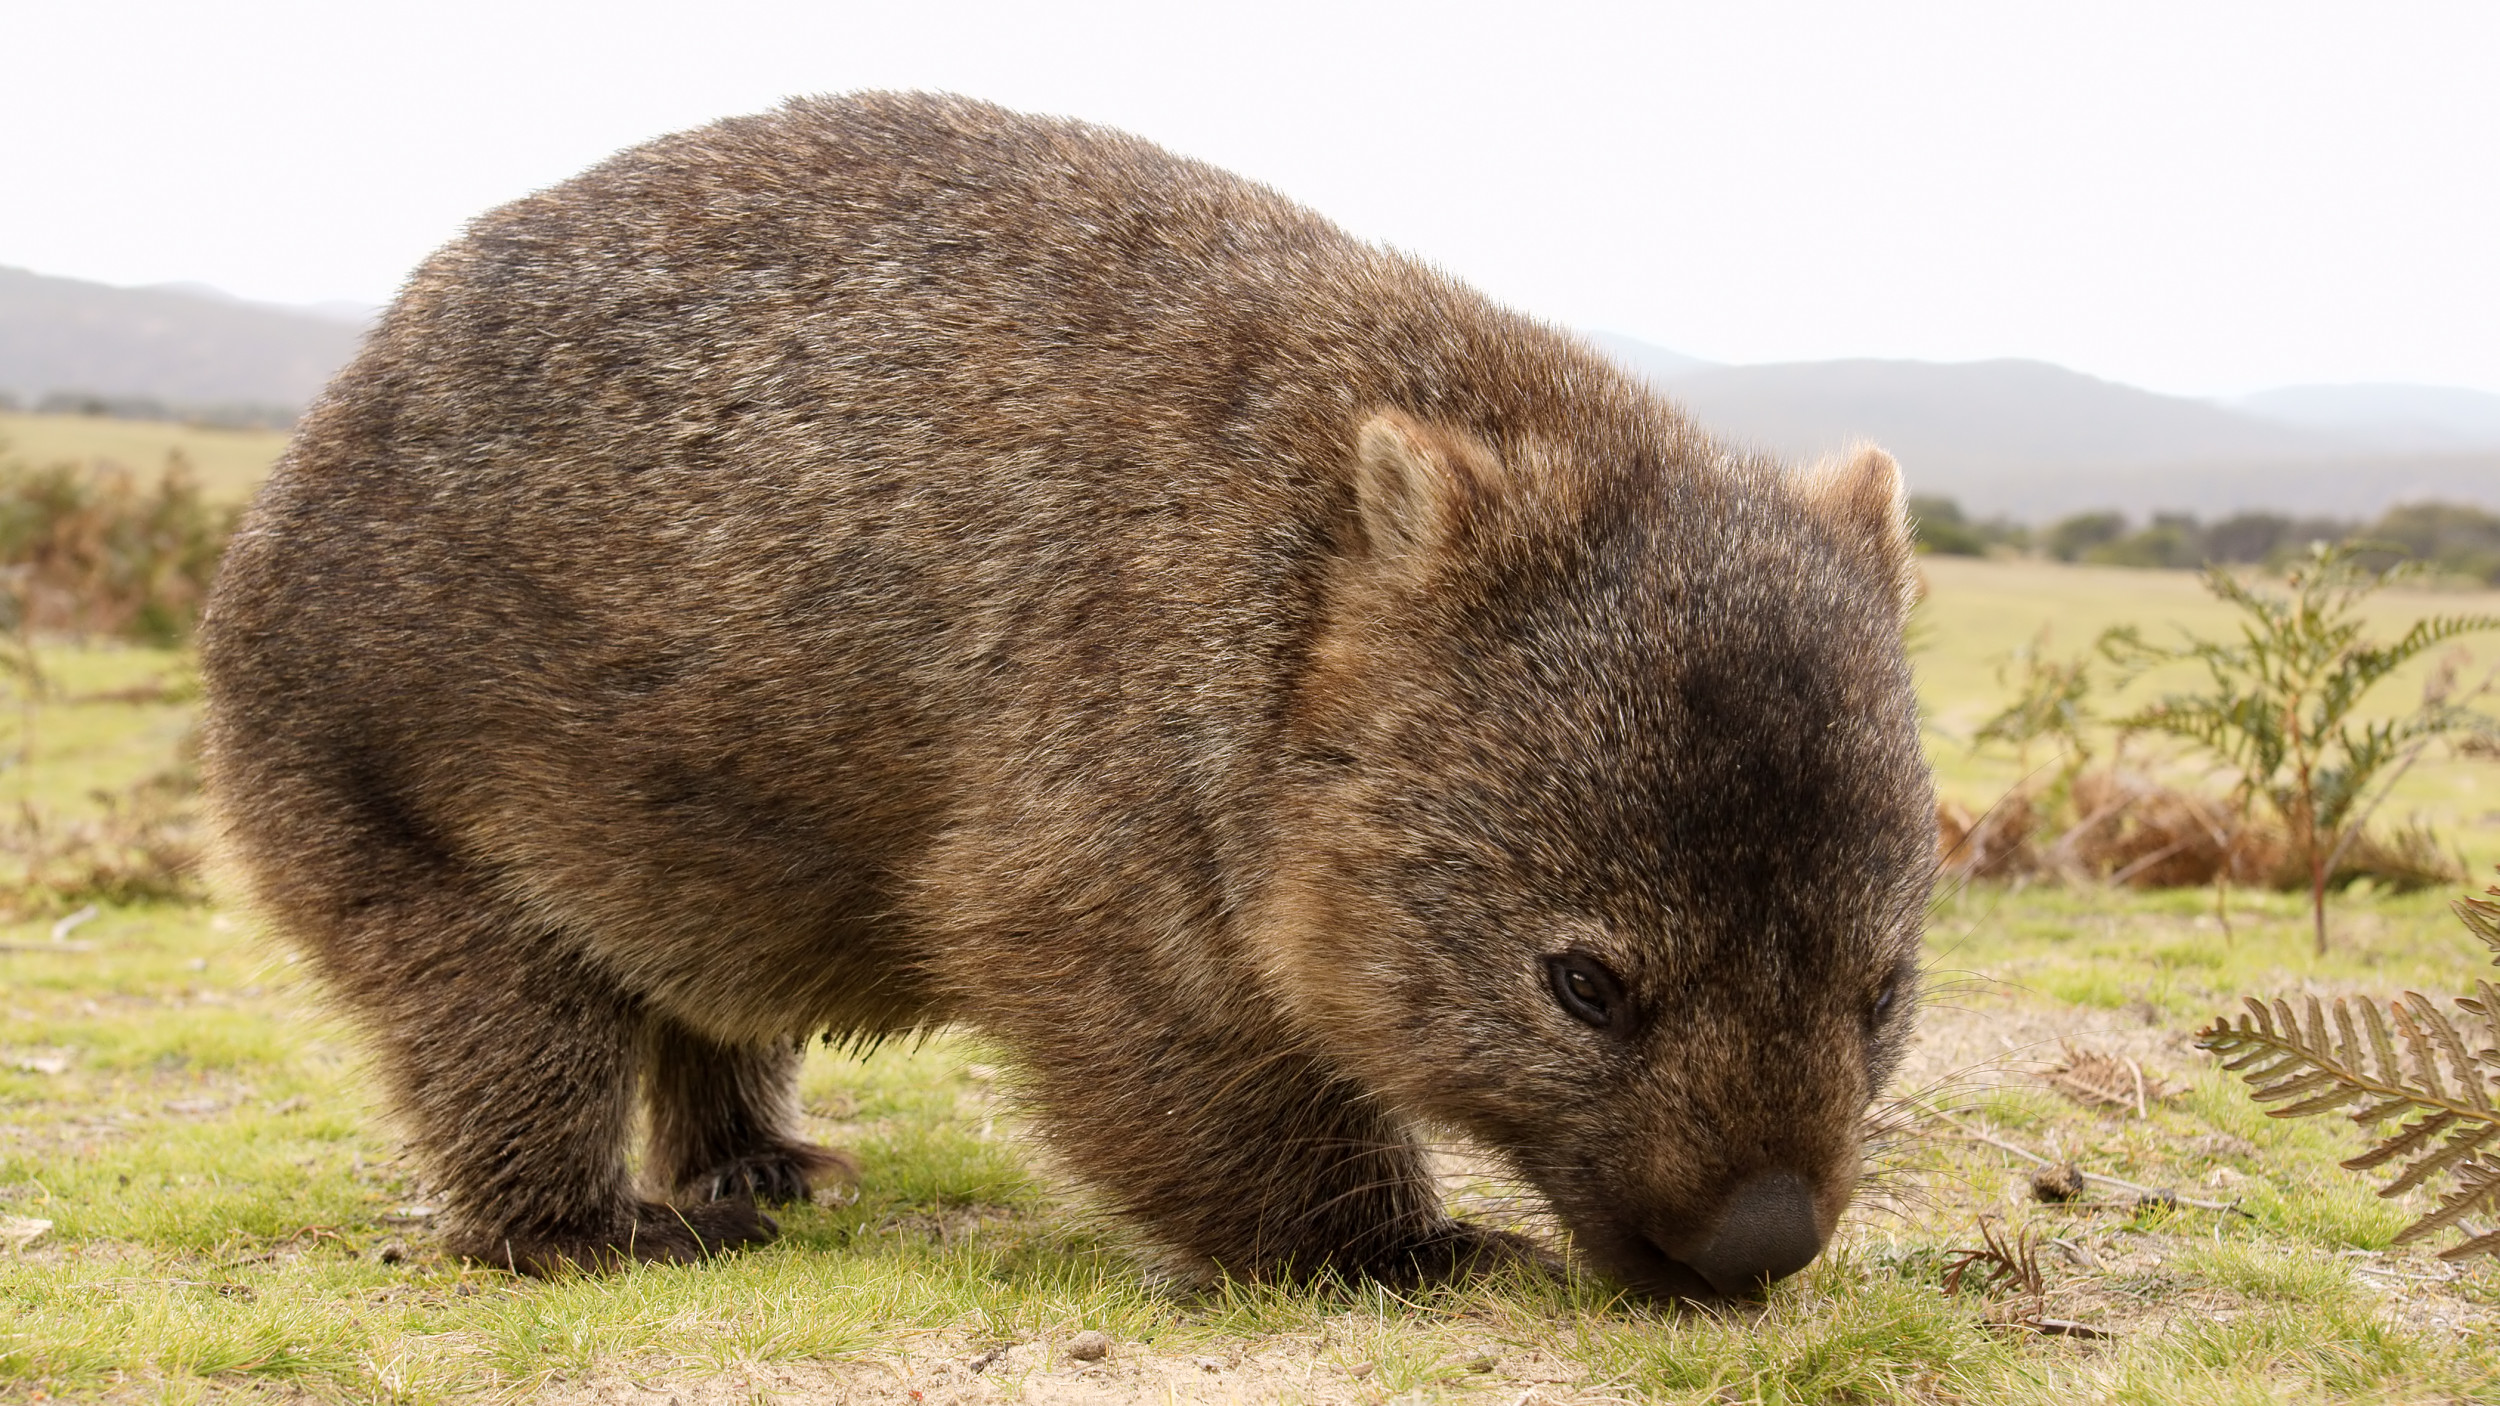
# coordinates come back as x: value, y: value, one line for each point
x: 2198, y: 197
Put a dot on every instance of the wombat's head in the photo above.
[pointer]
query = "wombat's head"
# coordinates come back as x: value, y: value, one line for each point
x: 1611, y: 832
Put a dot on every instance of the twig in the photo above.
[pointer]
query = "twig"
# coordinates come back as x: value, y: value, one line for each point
x: 2149, y: 1192
x: 47, y: 947
x: 62, y: 929
x: 2400, y: 1274
x: 2060, y: 1327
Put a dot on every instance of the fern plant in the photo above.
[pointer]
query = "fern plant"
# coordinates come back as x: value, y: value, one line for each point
x: 2407, y: 1073
x: 2283, y: 707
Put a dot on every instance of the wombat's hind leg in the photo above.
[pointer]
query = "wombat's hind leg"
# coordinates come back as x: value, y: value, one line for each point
x: 516, y: 1076
x: 723, y: 1120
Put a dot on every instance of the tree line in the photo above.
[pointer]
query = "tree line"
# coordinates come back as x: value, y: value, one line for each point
x: 2448, y: 539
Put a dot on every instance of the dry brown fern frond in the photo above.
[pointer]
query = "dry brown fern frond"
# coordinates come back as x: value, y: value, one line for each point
x: 2482, y: 918
x: 2012, y: 1264
x: 2098, y: 1080
x: 2409, y: 1065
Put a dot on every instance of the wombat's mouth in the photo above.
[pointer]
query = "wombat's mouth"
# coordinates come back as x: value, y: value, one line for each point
x: 1637, y: 1263
x: 1765, y: 1231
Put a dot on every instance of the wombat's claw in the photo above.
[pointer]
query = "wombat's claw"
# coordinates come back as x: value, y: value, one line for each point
x: 659, y: 1235
x: 779, y: 1177
x: 1464, y: 1249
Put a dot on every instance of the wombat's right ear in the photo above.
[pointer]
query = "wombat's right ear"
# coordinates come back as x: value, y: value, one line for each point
x: 1863, y: 496
x: 1418, y: 486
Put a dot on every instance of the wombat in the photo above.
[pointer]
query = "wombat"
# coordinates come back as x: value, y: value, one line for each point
x: 893, y: 562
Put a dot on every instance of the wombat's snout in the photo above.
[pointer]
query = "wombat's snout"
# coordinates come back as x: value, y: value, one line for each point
x: 1767, y: 1232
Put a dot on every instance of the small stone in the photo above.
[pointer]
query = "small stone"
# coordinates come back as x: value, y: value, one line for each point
x: 1089, y: 1346
x: 987, y: 1358
x: 1481, y: 1362
x: 2061, y: 1182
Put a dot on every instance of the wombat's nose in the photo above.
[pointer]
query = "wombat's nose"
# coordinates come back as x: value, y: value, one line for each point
x: 1768, y: 1232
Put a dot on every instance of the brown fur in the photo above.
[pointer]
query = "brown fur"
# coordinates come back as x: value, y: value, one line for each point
x: 891, y: 561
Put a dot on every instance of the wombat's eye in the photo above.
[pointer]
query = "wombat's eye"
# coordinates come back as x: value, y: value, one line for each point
x: 1585, y: 988
x: 1887, y: 998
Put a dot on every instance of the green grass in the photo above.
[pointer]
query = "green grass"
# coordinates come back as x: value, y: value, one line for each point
x: 230, y: 1214
x: 230, y: 463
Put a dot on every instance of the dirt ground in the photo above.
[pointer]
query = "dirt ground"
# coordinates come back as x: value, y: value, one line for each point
x: 942, y: 1374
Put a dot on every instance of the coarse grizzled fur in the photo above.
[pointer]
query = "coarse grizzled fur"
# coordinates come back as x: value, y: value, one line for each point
x: 892, y: 561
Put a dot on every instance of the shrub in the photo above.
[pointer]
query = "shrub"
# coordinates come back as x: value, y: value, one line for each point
x: 2072, y: 537
x: 2281, y: 709
x: 92, y: 550
x: 1939, y: 526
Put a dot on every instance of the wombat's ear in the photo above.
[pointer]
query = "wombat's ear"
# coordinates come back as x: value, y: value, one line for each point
x: 1417, y: 486
x: 1861, y: 494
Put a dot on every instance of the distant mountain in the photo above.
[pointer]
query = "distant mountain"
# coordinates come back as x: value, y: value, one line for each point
x: 2034, y: 441
x: 1654, y: 363
x: 180, y: 345
x: 2019, y: 438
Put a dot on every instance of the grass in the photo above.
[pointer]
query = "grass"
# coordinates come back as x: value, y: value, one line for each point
x: 1978, y: 612
x: 230, y: 463
x: 229, y: 1214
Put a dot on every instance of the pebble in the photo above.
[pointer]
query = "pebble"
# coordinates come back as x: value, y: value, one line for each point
x: 1089, y: 1346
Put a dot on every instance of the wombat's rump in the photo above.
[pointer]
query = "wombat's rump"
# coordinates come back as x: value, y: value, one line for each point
x: 893, y: 561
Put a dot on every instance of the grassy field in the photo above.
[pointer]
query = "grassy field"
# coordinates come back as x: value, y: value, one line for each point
x: 198, y: 1198
x: 1979, y: 612
x: 230, y: 463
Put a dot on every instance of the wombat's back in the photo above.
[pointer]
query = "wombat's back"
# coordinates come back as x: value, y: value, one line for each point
x: 696, y: 540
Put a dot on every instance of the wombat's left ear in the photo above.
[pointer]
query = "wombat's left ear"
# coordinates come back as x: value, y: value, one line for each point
x: 1420, y: 486
x: 1861, y: 494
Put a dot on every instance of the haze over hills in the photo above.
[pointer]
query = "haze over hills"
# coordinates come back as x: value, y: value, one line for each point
x: 2033, y: 441
x: 2019, y: 438
x: 181, y: 344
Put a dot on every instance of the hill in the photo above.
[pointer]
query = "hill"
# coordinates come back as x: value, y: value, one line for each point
x: 2017, y: 438
x: 179, y: 345
x: 2033, y: 441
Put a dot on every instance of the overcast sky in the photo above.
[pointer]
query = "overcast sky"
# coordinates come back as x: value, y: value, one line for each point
x: 2200, y: 198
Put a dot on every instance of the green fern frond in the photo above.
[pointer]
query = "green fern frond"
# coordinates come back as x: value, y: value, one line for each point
x: 2408, y: 1062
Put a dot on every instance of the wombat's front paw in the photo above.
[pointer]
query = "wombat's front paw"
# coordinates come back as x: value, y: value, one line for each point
x: 658, y: 1235
x: 773, y: 1178
x: 1461, y: 1249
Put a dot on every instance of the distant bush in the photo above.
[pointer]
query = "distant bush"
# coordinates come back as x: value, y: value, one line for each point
x: 1939, y: 526
x: 2449, y: 538
x: 2446, y: 539
x: 2070, y: 538
x: 91, y: 550
x: 218, y: 415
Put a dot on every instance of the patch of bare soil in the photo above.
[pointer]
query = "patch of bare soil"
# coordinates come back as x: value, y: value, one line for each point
x: 1300, y: 1369
x: 2102, y: 1267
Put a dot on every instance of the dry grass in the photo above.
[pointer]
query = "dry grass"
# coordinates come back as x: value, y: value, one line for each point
x: 2125, y: 827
